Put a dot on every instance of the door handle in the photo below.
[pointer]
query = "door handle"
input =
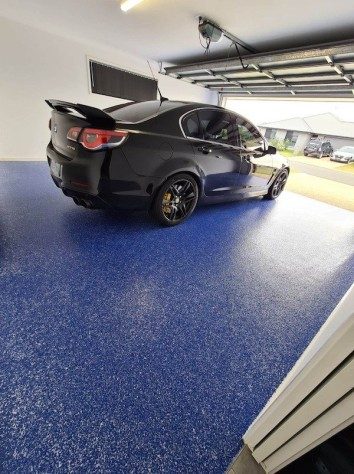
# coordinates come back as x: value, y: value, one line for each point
x: 204, y: 149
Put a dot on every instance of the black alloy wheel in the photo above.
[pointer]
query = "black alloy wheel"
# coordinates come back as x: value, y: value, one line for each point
x: 278, y: 186
x: 176, y: 200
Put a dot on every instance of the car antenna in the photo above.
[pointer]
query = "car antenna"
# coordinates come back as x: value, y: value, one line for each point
x: 162, y: 98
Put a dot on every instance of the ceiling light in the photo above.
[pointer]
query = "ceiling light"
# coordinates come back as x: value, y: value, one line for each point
x: 128, y: 4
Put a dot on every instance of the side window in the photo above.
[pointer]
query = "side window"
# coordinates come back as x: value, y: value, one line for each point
x: 247, y: 136
x: 217, y: 126
x: 190, y: 125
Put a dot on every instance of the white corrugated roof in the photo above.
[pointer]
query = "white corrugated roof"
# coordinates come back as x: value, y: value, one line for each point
x: 322, y: 124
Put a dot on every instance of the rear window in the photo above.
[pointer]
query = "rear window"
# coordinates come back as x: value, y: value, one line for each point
x: 137, y: 112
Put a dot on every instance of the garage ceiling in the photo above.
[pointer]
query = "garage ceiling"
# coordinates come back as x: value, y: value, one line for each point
x: 166, y: 30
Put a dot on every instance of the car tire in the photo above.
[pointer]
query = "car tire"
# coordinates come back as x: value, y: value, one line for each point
x: 278, y: 185
x: 175, y: 201
x: 305, y: 153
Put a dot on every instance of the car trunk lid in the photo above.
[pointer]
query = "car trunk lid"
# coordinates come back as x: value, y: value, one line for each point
x: 66, y: 116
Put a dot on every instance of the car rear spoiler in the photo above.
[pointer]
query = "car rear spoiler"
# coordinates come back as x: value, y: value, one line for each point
x: 95, y: 116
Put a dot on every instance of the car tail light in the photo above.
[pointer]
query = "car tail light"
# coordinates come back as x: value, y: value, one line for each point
x: 73, y: 134
x: 50, y: 124
x: 95, y: 139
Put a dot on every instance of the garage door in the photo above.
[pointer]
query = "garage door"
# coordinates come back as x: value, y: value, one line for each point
x: 321, y: 71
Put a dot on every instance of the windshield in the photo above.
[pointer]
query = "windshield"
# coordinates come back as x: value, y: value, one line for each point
x: 347, y: 149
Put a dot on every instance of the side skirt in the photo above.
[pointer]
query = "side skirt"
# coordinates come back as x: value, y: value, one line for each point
x: 232, y: 197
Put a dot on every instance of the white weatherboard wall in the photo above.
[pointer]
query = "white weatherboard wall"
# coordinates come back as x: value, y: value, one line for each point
x: 36, y: 65
x: 314, y: 401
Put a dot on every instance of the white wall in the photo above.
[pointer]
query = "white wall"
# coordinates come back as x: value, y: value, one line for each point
x: 301, y: 142
x: 338, y: 142
x: 314, y: 401
x: 280, y: 135
x: 36, y: 65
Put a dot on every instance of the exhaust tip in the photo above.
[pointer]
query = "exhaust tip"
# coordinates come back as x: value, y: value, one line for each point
x: 87, y: 203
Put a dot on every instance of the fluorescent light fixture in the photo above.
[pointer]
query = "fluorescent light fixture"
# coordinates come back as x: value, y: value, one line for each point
x: 128, y: 4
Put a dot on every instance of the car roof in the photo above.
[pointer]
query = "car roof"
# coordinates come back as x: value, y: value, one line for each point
x: 164, y: 105
x: 135, y: 112
x: 172, y: 104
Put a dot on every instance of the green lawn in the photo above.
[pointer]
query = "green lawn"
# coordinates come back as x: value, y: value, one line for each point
x: 287, y: 153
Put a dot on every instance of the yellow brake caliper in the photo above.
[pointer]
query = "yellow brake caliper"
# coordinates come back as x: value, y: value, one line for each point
x: 166, y: 203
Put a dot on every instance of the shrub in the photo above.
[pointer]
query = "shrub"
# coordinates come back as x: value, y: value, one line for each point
x: 281, y: 145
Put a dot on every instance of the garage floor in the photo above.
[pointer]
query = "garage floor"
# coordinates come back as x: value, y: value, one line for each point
x: 131, y: 348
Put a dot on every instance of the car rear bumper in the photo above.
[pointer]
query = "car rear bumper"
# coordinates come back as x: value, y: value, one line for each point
x: 87, y: 180
x: 79, y: 174
x: 316, y: 153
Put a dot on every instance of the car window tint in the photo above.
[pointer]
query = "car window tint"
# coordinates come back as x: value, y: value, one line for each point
x: 135, y: 112
x: 217, y: 126
x: 247, y: 135
x: 190, y: 125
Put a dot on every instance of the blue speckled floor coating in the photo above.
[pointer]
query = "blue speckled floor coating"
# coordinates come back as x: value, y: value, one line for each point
x: 127, y: 347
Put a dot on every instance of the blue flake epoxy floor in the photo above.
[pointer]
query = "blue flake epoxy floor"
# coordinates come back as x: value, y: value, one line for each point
x: 126, y: 347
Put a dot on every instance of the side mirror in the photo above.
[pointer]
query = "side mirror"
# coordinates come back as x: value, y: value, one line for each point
x: 271, y: 150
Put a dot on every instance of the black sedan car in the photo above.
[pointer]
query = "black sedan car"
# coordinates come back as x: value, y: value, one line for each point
x: 162, y: 156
